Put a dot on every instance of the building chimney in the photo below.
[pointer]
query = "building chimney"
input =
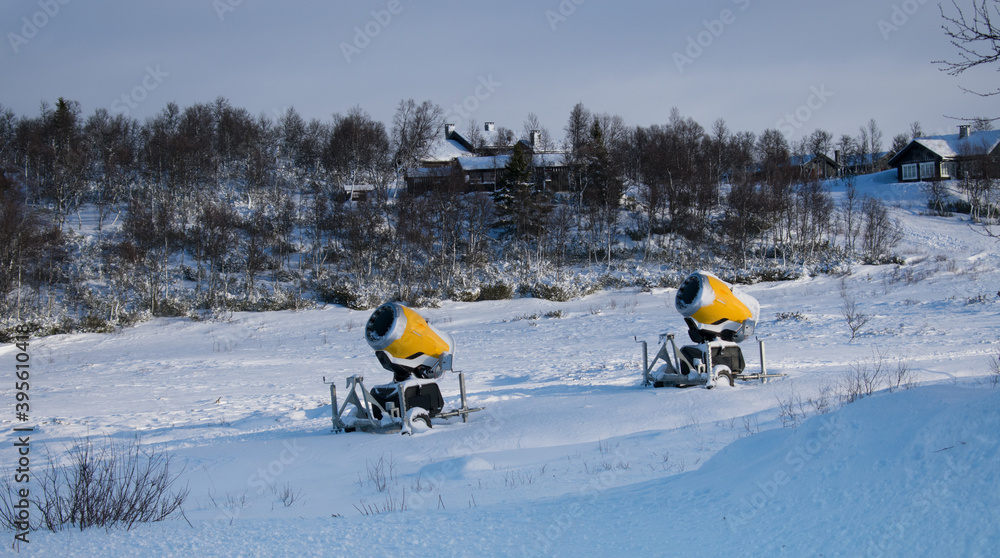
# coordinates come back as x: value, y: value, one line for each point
x: 536, y: 138
x: 449, y: 129
x: 963, y: 131
x: 836, y: 156
x: 490, y: 126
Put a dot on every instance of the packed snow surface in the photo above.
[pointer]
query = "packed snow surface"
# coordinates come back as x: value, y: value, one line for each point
x: 572, y: 456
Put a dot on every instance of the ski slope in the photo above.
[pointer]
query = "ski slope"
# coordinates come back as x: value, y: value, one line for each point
x: 571, y: 456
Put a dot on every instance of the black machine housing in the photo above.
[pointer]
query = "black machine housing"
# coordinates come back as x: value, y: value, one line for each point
x: 728, y: 355
x: 426, y: 395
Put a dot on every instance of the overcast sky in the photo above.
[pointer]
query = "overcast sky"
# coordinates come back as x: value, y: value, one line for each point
x: 791, y: 65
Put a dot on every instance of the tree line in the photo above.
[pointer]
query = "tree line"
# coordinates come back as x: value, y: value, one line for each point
x: 106, y: 219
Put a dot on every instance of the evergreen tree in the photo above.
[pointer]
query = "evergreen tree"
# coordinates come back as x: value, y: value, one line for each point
x: 603, y: 187
x: 70, y: 158
x: 520, y: 208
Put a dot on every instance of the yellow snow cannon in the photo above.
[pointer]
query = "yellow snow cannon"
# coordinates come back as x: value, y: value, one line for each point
x: 417, y: 354
x: 713, y: 309
x: 718, y: 317
x: 406, y: 345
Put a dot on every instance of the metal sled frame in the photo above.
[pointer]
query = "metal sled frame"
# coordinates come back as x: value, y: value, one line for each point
x: 397, y: 414
x: 704, y: 374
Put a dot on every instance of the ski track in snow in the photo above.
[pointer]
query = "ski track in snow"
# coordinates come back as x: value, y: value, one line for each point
x: 571, y: 455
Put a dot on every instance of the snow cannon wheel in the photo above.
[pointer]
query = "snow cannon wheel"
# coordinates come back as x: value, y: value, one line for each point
x: 418, y: 419
x: 724, y: 376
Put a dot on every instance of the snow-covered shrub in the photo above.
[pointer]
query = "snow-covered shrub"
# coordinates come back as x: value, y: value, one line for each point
x: 957, y: 206
x: 865, y: 377
x: 172, y: 307
x: 609, y: 281
x: 351, y: 295
x: 285, y: 275
x: 498, y: 290
x: 669, y: 281
x: 95, y: 324
x: 901, y: 377
x: 189, y: 273
x: 273, y: 302
x: 465, y: 294
x: 791, y: 411
x: 886, y: 259
x: 291, y: 300
x: 562, y: 290
x: 796, y: 316
x: 763, y: 274
x: 852, y: 315
x: 428, y: 299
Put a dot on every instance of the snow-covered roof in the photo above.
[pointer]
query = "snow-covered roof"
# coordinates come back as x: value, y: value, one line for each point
x: 549, y: 159
x: 444, y: 150
x: 359, y: 187
x: 483, y: 163
x: 500, y: 161
x: 950, y: 146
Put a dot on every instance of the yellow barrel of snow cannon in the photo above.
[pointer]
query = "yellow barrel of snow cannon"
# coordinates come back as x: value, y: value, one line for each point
x: 403, y: 333
x: 714, y: 308
x: 412, y: 345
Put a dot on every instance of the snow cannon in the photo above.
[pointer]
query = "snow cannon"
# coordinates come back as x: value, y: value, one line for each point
x: 406, y: 345
x: 718, y: 316
x: 714, y: 309
x: 418, y: 355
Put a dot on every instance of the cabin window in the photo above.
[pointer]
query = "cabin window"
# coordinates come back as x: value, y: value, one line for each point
x: 948, y: 170
x: 910, y: 172
x: 927, y: 170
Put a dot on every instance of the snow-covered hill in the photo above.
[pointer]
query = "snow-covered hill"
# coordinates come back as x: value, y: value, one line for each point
x: 571, y: 456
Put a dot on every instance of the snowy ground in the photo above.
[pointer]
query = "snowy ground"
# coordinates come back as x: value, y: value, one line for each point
x: 571, y: 456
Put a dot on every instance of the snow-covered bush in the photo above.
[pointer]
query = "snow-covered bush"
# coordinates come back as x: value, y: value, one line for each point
x: 562, y: 290
x: 428, y: 299
x: 347, y: 293
x: 763, y: 274
x: 465, y: 294
x: 95, y: 324
x: 496, y: 291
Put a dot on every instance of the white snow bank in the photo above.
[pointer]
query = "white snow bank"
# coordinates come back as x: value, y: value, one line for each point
x: 904, y: 474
